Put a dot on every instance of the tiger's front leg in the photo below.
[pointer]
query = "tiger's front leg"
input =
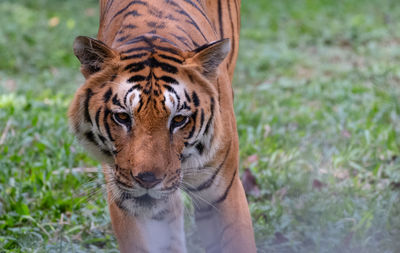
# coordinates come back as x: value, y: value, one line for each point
x: 225, y: 224
x: 155, y: 231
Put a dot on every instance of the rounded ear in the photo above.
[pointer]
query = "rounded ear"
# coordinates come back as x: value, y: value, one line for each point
x: 92, y: 54
x: 208, y: 57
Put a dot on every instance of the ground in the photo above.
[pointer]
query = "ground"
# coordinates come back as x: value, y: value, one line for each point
x: 317, y: 99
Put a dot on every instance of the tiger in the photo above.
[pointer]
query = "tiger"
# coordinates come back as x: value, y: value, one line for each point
x: 156, y: 109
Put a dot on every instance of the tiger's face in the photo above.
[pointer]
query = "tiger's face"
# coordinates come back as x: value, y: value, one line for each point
x: 149, y: 112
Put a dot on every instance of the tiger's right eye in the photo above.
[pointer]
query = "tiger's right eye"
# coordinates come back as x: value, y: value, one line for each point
x: 179, y: 121
x: 122, y: 118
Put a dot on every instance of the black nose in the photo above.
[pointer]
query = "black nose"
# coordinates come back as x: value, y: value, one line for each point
x: 147, y: 179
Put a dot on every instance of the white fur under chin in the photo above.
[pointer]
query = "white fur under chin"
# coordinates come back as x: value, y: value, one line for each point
x: 160, y: 234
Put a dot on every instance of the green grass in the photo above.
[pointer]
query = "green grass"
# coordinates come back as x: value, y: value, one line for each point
x: 317, y: 98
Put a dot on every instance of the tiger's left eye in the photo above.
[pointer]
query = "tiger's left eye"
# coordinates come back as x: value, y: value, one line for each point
x: 179, y: 121
x: 122, y: 118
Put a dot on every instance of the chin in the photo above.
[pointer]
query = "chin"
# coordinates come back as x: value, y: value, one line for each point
x: 144, y: 205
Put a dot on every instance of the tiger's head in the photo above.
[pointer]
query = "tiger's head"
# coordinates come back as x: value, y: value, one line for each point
x: 149, y: 111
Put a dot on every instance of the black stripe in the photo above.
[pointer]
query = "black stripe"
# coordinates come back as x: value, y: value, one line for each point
x: 194, y: 116
x: 181, y: 39
x: 233, y: 34
x: 136, y: 66
x: 130, y: 26
x: 167, y: 49
x: 169, y: 79
x: 154, y: 12
x: 200, y: 10
x: 199, y: 2
x: 192, y: 22
x: 140, y: 106
x: 123, y: 38
x: 204, y: 46
x: 133, y: 13
x: 106, y: 113
x: 107, y: 95
x: 163, y: 104
x: 156, y: 25
x: 125, y: 8
x: 137, y: 78
x: 206, y: 184
x: 155, y: 105
x: 98, y: 118
x: 144, y: 38
x: 137, y: 40
x: 170, y: 89
x: 133, y: 56
x: 185, y: 106
x: 101, y: 137
x: 201, y: 122
x: 170, y: 58
x: 89, y: 94
x: 187, y: 96
x: 153, y: 63
x: 170, y: 17
x: 191, y: 78
x: 134, y: 49
x: 223, y: 197
x: 90, y: 137
x: 151, y: 24
x: 106, y: 152
x: 150, y: 40
x: 148, y: 99
x: 237, y: 11
x: 221, y: 30
x: 108, y: 6
x: 200, y: 148
x: 195, y: 98
x: 123, y: 184
x: 116, y: 101
x: 211, y: 117
x: 188, y: 35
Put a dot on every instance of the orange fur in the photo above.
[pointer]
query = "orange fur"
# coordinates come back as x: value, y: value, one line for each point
x: 157, y: 109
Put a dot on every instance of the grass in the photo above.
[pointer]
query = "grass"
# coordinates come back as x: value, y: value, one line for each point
x: 317, y: 100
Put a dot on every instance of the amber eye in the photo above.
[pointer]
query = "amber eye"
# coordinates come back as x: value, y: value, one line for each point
x: 178, y: 121
x: 122, y: 118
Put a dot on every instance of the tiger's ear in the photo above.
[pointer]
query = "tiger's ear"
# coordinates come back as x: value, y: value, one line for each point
x: 92, y: 54
x: 208, y: 57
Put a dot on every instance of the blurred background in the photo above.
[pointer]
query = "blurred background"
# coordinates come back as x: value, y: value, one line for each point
x: 317, y: 99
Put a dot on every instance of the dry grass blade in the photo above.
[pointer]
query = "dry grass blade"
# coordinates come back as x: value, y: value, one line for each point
x: 5, y: 132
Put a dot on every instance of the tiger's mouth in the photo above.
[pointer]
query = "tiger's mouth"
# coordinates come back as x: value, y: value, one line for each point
x: 145, y: 200
x: 139, y: 197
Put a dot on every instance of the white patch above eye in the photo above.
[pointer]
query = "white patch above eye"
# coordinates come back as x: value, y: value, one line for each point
x: 133, y: 99
x: 171, y: 101
x: 129, y: 96
x: 174, y: 101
